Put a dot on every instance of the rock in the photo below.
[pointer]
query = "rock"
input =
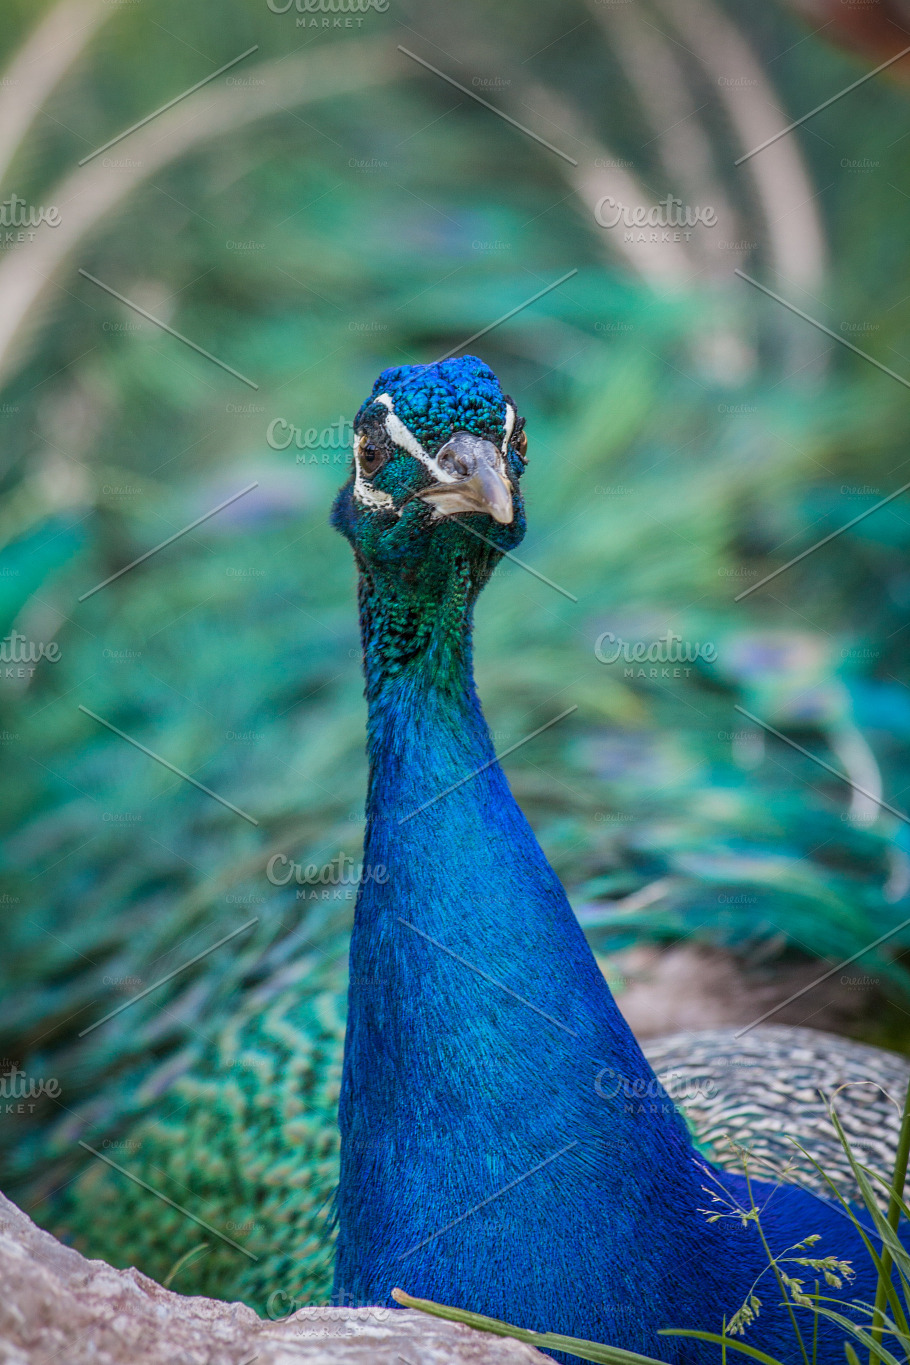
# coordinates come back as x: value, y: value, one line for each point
x: 57, y: 1308
x: 665, y: 990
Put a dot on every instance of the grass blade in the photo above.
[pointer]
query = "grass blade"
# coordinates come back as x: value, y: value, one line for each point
x: 898, y: 1180
x: 544, y: 1341
x: 719, y: 1340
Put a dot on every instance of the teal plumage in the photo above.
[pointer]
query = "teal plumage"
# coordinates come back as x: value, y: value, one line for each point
x: 245, y: 1139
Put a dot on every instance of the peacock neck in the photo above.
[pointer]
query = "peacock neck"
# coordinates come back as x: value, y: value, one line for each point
x: 416, y: 636
x: 491, y: 1088
x: 479, y: 945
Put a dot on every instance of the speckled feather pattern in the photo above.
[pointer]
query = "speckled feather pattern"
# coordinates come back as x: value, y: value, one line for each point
x: 439, y: 399
x: 248, y: 1141
x: 768, y: 1090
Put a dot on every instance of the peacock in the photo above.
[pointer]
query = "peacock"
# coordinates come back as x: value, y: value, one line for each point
x: 471, y: 999
x: 485, y: 1163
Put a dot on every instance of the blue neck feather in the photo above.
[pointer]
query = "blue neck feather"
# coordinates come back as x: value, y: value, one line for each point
x: 505, y: 1144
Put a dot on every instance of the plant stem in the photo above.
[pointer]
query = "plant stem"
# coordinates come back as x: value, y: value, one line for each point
x: 815, y: 1327
x: 184, y: 1260
x: 894, y: 1216
x: 774, y: 1266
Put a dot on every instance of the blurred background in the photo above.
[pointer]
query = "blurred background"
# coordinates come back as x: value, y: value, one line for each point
x: 328, y: 206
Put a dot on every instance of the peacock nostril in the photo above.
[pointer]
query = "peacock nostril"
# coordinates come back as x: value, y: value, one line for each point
x: 473, y: 478
x: 460, y: 463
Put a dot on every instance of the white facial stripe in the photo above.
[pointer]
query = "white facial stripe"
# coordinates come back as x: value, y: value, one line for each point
x: 402, y: 436
x: 406, y: 439
x: 509, y: 426
x: 365, y: 493
x: 371, y: 497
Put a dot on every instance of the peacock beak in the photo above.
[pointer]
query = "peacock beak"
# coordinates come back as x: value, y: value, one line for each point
x: 475, y: 479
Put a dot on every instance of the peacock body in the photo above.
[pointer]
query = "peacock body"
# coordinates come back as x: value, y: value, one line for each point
x: 504, y: 1139
x: 484, y: 1164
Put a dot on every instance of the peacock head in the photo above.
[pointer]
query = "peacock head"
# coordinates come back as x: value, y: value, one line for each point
x: 438, y: 454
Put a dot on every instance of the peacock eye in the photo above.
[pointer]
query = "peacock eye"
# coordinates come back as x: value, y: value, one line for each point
x: 371, y: 456
x: 520, y: 442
